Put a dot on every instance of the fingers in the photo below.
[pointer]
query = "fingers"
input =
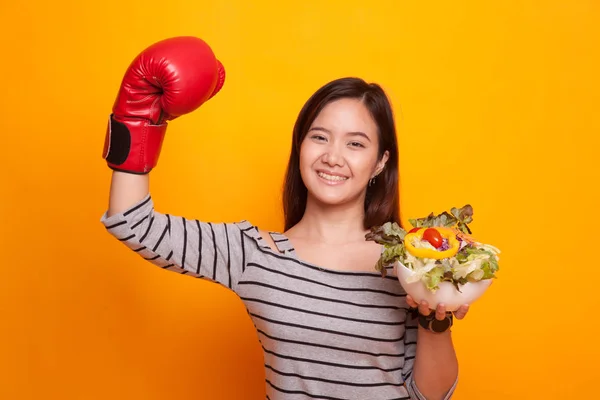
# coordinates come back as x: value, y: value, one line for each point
x: 462, y: 311
x: 411, y: 302
x: 424, y: 308
x: 440, y: 312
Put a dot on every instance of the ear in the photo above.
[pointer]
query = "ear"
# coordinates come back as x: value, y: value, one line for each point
x: 381, y: 163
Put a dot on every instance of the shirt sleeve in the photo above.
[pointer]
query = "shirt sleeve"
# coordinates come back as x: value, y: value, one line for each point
x: 213, y: 251
x: 410, y: 351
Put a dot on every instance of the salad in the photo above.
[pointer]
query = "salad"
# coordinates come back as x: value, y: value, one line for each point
x: 439, y: 248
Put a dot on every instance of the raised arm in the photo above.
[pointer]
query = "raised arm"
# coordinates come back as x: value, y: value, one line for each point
x: 167, y: 80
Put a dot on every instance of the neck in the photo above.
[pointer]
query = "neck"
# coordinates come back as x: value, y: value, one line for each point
x: 332, y: 224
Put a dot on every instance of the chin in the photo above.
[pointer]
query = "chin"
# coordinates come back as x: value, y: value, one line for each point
x: 328, y: 199
x: 332, y: 196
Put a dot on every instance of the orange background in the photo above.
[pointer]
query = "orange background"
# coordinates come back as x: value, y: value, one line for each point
x: 497, y: 105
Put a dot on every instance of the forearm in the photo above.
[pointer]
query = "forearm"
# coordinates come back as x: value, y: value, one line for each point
x: 125, y: 190
x: 436, y: 366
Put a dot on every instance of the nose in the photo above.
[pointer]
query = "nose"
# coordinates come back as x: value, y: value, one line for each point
x: 333, y: 156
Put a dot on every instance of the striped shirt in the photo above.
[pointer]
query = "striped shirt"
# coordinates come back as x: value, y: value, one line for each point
x: 325, y: 334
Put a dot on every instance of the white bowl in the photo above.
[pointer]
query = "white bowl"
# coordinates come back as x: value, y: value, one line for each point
x: 446, y: 294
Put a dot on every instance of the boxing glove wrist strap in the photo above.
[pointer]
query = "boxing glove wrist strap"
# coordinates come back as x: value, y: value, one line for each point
x: 133, y: 145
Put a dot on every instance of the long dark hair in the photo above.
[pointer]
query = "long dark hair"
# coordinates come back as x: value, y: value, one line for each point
x: 382, y: 198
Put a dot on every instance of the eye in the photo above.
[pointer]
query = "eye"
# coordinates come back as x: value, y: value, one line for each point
x: 318, y: 137
x: 357, y: 144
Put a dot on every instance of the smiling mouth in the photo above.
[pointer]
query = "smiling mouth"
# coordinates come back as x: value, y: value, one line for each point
x: 332, y: 178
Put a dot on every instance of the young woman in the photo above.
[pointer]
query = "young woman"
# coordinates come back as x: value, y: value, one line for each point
x: 330, y: 325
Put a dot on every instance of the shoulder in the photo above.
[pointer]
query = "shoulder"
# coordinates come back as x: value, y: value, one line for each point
x: 261, y: 236
x: 268, y: 239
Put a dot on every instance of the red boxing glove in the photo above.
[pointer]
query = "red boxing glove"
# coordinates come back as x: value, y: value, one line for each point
x: 168, y: 79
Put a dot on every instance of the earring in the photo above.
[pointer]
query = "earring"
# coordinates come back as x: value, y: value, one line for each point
x: 371, y: 181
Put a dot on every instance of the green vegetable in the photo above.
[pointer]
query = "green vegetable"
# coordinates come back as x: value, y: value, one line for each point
x: 459, y: 217
x: 473, y: 262
x: 391, y: 236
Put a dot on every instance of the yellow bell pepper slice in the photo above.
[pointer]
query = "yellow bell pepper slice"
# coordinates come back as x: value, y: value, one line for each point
x: 425, y: 252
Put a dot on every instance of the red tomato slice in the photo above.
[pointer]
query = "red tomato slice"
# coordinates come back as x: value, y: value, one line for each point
x: 413, y: 230
x: 434, y: 237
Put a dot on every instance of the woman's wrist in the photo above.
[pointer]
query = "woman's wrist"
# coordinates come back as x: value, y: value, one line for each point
x: 431, y: 323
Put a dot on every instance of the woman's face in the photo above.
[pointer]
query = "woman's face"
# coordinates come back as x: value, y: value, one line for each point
x: 338, y: 156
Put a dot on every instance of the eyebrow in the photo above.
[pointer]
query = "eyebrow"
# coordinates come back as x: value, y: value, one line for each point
x: 353, y: 133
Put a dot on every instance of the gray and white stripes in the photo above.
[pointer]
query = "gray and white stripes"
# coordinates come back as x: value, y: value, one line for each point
x: 325, y: 334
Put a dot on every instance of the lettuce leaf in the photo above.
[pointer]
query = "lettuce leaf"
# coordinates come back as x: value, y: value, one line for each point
x: 389, y: 233
x: 389, y: 256
x: 459, y: 217
x: 433, y: 278
x: 391, y: 236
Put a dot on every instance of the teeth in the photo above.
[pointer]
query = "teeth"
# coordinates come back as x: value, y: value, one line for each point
x: 331, y: 177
